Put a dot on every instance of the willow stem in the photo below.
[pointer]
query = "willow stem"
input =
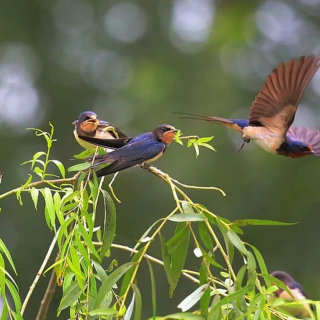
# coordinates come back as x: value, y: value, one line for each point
x: 39, y: 274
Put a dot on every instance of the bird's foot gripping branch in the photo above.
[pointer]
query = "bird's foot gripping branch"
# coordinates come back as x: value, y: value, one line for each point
x: 93, y: 285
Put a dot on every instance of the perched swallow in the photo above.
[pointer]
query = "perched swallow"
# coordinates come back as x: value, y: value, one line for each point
x: 273, y: 111
x: 88, y: 125
x: 297, y: 294
x: 144, y: 148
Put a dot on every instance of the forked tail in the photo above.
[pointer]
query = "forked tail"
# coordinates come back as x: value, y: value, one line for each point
x: 235, y: 124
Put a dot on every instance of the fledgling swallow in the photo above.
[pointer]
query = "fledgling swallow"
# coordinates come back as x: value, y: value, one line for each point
x: 297, y: 294
x: 88, y: 125
x: 273, y: 111
x: 143, y: 148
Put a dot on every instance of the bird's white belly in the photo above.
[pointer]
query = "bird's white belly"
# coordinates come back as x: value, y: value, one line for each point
x: 263, y: 137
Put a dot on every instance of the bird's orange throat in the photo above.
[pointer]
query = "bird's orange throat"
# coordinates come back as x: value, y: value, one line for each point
x: 168, y: 137
x: 90, y: 125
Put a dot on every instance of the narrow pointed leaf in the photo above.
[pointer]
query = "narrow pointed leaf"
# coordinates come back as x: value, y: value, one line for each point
x: 103, y: 312
x: 193, y: 298
x: 6, y: 252
x: 137, y: 302
x: 71, y: 294
x: 50, y: 210
x: 129, y: 311
x: 109, y: 225
x: 262, y: 264
x: 214, y: 314
x: 34, y: 196
x: 256, y: 222
x: 233, y: 296
x: 176, y: 241
x: 79, y: 167
x: 110, y: 281
x: 60, y: 166
x: 153, y: 290
x: 184, y: 217
x: 236, y: 241
x: 126, y: 282
x: 205, y: 235
x: 178, y: 257
x: 166, y: 259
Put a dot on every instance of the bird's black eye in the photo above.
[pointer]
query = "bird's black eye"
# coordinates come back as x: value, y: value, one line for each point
x: 87, y: 118
x: 164, y: 129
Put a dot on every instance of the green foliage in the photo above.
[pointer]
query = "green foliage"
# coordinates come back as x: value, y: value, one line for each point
x: 90, y: 291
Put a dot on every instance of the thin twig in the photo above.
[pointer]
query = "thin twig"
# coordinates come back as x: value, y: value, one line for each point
x: 38, y: 183
x: 160, y: 174
x: 46, y: 301
x: 186, y: 273
x: 39, y: 274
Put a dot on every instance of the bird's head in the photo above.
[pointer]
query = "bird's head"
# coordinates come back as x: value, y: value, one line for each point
x: 283, y: 277
x: 87, y: 121
x: 165, y: 133
x: 297, y: 149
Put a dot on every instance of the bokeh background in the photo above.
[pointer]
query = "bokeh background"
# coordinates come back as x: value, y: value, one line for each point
x: 135, y: 63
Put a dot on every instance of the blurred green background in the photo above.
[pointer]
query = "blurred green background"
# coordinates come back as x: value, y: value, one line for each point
x: 134, y: 63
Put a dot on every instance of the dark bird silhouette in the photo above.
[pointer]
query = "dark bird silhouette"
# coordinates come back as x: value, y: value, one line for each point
x: 273, y: 111
x: 297, y: 294
x: 88, y: 125
x: 143, y: 148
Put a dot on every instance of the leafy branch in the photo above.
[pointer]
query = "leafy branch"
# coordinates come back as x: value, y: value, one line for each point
x: 90, y: 290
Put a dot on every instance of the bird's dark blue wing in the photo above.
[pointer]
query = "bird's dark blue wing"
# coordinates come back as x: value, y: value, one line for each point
x: 128, y: 156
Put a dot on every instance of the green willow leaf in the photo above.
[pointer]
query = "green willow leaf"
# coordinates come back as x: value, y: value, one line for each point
x: 166, y: 259
x: 126, y: 282
x: 87, y: 240
x: 6, y: 252
x: 153, y: 290
x: 205, y: 299
x: 137, y: 302
x: 205, y: 235
x: 110, y: 281
x: 261, y: 263
x: 176, y: 241
x: 100, y: 271
x: 109, y: 225
x: 79, y: 167
x: 214, y: 314
x: 232, y: 297
x: 70, y: 295
x: 145, y: 234
x: 34, y: 196
x: 49, y: 210
x: 255, y: 222
x: 103, y: 312
x: 184, y: 316
x: 236, y: 241
x: 60, y: 166
x: 210, y: 259
x: 185, y: 217
x: 178, y: 257
x: 14, y: 294
x: 85, y: 154
x: 4, y: 312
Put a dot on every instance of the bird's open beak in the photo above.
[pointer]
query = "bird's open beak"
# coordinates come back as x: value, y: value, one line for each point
x: 93, y: 120
x: 174, y: 130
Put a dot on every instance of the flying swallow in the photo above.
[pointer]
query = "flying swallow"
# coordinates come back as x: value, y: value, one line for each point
x: 273, y: 111
x: 143, y: 148
x: 297, y: 294
x: 88, y: 125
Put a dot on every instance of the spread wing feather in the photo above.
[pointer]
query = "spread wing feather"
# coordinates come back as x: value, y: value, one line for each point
x: 275, y: 106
